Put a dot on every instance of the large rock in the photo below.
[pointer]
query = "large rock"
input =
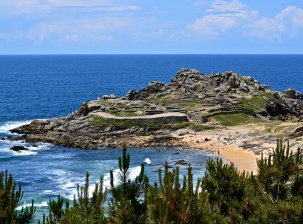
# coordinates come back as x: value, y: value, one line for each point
x: 154, y: 87
x: 298, y: 129
x: 18, y: 148
x: 131, y: 94
x: 290, y: 93
x: 84, y: 109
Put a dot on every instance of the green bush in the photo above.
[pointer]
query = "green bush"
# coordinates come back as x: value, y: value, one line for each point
x: 9, y: 200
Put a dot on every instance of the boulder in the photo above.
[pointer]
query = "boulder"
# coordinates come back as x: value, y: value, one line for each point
x: 18, y: 148
x: 244, y: 87
x: 113, y: 96
x: 17, y: 138
x: 154, y: 87
x: 131, y: 94
x: 84, y: 109
x: 105, y: 97
x: 290, y: 93
x: 181, y: 162
x: 93, y: 107
x: 40, y: 122
x: 298, y: 129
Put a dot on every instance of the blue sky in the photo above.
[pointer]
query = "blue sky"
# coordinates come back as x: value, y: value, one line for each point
x: 151, y: 27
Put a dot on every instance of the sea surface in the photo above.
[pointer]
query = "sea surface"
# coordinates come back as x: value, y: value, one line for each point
x: 50, y: 86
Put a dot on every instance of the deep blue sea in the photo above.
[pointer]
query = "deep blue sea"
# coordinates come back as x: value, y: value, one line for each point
x: 49, y: 86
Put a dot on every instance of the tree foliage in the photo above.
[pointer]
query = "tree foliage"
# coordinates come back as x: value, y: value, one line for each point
x: 128, y: 205
x: 10, y: 199
x: 172, y: 202
x: 222, y: 195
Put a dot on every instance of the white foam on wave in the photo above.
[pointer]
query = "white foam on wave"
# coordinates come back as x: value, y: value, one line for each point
x: 24, y: 153
x: 147, y: 161
x: 6, y: 145
x: 133, y: 173
x: 42, y: 204
x: 5, y: 150
x: 11, y: 125
x: 67, y: 181
x: 39, y: 146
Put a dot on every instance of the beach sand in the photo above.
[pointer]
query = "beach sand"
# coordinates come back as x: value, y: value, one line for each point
x: 228, y: 144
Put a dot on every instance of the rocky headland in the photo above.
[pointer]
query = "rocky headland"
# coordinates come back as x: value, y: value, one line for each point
x: 210, y: 112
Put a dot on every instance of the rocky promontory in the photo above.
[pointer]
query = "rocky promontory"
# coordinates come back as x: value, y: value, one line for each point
x: 160, y: 114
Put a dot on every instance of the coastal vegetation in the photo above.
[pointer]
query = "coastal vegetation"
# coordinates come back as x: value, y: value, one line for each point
x: 236, y: 119
x: 10, y: 198
x: 223, y: 195
x: 125, y: 124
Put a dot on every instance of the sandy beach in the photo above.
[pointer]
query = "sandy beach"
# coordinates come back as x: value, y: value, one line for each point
x: 241, y: 145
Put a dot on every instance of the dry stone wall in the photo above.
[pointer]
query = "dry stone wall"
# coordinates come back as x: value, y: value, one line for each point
x: 165, y: 118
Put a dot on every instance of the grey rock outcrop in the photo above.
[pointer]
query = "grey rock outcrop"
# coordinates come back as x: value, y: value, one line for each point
x: 226, y: 89
x: 196, y: 97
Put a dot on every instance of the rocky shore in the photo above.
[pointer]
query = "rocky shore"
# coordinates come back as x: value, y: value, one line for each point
x: 230, y: 109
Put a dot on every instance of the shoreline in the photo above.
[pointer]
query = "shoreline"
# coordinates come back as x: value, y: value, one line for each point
x: 243, y: 159
x: 241, y: 145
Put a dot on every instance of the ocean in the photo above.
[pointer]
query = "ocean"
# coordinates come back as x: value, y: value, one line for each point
x: 50, y: 86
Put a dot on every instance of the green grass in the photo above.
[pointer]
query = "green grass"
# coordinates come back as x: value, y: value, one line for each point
x: 200, y: 127
x: 236, y: 119
x: 136, y: 105
x: 268, y: 130
x: 120, y: 105
x: 272, y: 126
x: 143, y: 138
x: 278, y: 129
x: 161, y: 100
x: 193, y: 126
x: 127, y: 113
x: 255, y: 103
x: 298, y: 139
x: 117, y: 124
x: 198, y: 88
x: 122, y: 124
x: 190, y: 106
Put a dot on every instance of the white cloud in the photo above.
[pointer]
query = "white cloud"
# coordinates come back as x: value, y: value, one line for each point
x: 123, y: 8
x: 146, y: 36
x: 79, y: 30
x: 288, y: 22
x: 173, y: 37
x: 222, y: 6
x: 15, y: 7
x: 221, y: 17
x: 198, y: 3
x: 11, y: 36
x: 79, y: 3
x: 72, y: 37
x: 266, y: 28
x: 102, y: 38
